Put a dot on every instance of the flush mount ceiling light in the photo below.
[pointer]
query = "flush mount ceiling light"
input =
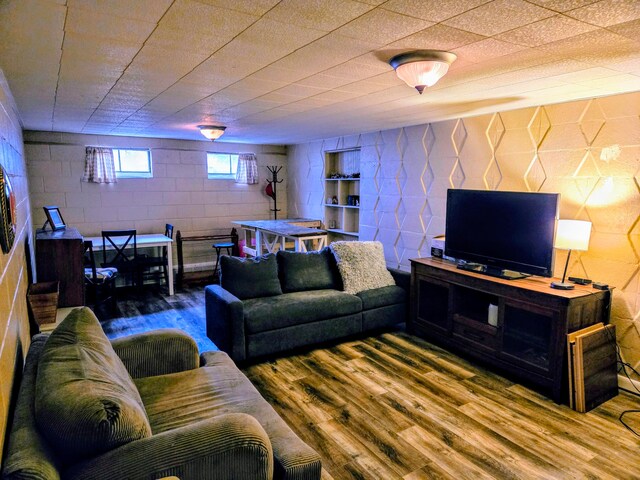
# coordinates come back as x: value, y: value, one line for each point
x: 212, y: 132
x: 422, y: 68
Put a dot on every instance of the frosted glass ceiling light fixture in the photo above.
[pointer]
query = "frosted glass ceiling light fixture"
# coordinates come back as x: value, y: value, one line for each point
x: 212, y: 132
x: 422, y: 68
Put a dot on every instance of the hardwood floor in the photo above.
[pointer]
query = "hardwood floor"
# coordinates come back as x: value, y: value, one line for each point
x: 394, y: 406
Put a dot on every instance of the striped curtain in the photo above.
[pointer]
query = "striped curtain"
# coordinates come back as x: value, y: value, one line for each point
x: 247, y: 171
x: 99, y: 166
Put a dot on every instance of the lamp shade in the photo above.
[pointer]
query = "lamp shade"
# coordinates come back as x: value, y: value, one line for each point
x: 211, y: 132
x: 573, y: 235
x: 422, y: 68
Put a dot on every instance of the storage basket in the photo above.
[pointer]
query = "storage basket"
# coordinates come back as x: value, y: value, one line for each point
x: 43, y: 301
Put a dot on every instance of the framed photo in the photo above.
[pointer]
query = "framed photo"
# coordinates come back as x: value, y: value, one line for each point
x: 8, y: 214
x: 54, y: 217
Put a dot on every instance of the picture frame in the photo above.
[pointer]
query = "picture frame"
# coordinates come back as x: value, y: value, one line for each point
x: 54, y: 218
x: 8, y: 213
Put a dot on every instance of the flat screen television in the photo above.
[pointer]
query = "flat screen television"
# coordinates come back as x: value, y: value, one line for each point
x: 505, y: 234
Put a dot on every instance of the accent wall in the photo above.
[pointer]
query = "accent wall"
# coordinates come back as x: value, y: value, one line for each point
x: 589, y: 151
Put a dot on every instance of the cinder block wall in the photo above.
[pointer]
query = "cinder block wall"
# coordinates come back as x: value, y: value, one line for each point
x: 589, y: 151
x: 179, y: 192
x: 14, y: 269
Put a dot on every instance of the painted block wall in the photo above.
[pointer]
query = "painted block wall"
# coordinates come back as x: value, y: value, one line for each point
x: 14, y: 269
x: 179, y: 192
x: 589, y: 151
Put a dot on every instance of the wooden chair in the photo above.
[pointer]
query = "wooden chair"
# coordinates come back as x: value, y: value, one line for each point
x: 124, y: 249
x: 148, y: 262
x: 98, y: 280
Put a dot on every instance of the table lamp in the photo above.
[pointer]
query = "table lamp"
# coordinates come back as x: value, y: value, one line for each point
x: 571, y: 235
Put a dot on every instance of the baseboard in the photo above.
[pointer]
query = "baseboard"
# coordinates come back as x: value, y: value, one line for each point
x: 196, y: 267
x: 631, y: 386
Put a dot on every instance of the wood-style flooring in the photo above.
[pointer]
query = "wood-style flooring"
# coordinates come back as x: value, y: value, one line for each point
x: 394, y: 406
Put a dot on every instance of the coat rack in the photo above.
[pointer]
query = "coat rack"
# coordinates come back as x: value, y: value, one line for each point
x: 271, y: 188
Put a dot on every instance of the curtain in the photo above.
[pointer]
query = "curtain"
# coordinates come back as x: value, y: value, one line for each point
x: 99, y: 166
x: 247, y: 171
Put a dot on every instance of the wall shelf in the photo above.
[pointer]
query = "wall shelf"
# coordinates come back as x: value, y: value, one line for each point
x: 342, y: 219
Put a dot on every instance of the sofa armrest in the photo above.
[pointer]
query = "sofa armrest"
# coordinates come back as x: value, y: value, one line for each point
x: 402, y: 278
x: 158, y: 352
x: 230, y: 446
x: 225, y: 321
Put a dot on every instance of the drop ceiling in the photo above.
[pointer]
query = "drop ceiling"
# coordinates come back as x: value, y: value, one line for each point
x: 291, y: 71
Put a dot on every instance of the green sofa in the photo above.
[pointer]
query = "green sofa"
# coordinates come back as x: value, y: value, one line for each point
x: 143, y: 407
x: 276, y: 303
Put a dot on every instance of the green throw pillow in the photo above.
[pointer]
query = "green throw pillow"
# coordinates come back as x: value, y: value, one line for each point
x: 250, y: 277
x: 85, y: 402
x: 300, y: 271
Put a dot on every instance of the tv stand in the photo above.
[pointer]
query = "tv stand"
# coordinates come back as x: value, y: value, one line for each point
x: 450, y: 307
x: 492, y: 271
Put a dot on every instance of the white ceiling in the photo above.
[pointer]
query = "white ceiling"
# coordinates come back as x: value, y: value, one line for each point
x: 288, y: 71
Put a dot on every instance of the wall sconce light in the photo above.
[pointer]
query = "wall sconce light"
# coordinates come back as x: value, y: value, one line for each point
x: 571, y: 235
x: 422, y: 68
x: 212, y: 132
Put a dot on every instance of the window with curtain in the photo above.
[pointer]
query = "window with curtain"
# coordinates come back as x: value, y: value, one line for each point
x: 247, y: 171
x: 222, y: 165
x: 132, y: 163
x: 99, y: 166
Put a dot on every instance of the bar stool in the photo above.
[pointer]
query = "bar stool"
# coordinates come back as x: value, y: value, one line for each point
x: 219, y: 246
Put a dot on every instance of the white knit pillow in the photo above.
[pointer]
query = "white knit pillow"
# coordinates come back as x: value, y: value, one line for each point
x: 361, y: 265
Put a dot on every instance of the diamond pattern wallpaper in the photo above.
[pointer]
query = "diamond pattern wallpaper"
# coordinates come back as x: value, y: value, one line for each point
x: 589, y: 151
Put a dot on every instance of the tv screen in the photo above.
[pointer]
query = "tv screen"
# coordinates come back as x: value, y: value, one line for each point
x: 502, y: 230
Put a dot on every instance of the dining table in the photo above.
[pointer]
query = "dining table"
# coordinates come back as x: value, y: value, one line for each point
x: 144, y: 240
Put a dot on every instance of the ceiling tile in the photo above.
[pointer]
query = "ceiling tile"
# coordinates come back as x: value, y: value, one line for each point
x: 437, y: 37
x: 485, y: 50
x: 326, y: 15
x: 252, y: 7
x: 105, y: 25
x: 432, y: 10
x: 207, y: 19
x: 499, y: 16
x: 629, y: 29
x: 562, y: 5
x: 145, y: 10
x: 545, y: 31
x: 608, y: 12
x: 382, y: 27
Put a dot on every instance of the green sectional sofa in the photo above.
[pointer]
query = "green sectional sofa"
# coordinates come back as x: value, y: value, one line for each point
x: 276, y: 303
x: 144, y: 407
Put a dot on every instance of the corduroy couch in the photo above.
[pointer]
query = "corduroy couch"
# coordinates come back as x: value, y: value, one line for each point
x: 144, y: 407
x: 276, y: 303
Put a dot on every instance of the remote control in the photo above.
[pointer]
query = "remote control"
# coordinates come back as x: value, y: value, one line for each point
x: 600, y: 286
x: 580, y: 281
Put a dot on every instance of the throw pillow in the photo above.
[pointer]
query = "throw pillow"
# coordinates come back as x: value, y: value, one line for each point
x: 250, y: 277
x: 361, y: 265
x: 300, y: 271
x: 85, y: 401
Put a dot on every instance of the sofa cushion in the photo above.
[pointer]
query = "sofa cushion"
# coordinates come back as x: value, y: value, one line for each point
x: 85, y: 401
x: 219, y: 388
x: 381, y: 297
x: 361, y: 265
x: 300, y: 271
x: 250, y: 277
x: 263, y: 314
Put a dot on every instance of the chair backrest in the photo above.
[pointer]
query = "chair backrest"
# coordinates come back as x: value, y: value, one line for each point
x: 119, y: 241
x: 168, y: 230
x: 89, y: 260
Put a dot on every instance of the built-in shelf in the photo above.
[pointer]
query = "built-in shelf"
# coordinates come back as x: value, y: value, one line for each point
x: 342, y: 218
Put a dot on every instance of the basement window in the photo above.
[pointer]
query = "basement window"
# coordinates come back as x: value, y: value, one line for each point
x: 222, y: 165
x: 132, y: 163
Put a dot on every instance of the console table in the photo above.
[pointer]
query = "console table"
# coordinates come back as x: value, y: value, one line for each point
x: 529, y: 335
